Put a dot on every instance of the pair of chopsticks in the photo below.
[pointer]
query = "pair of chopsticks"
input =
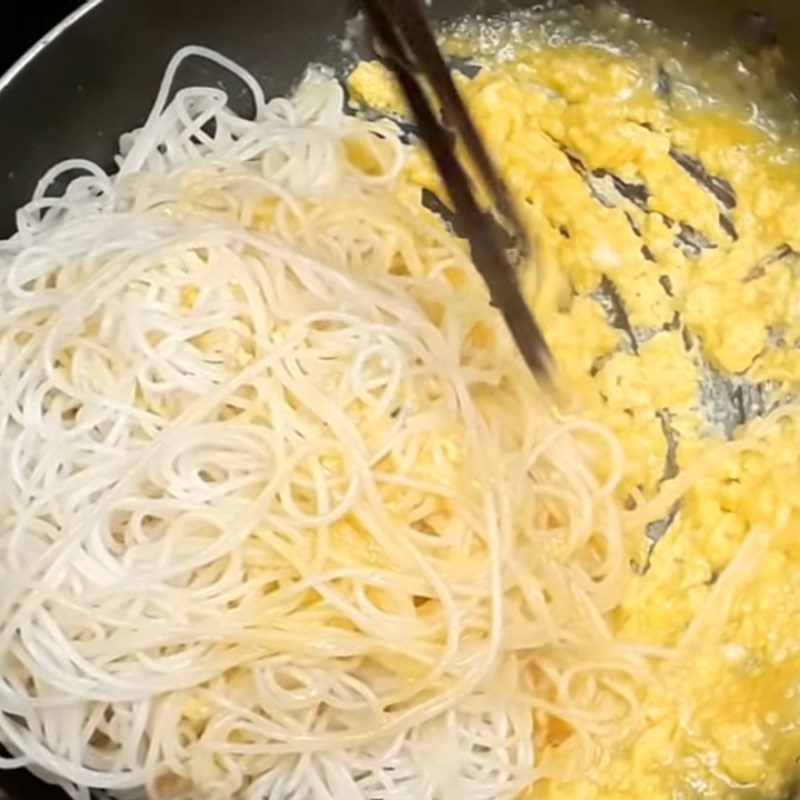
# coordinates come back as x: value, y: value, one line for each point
x: 407, y: 46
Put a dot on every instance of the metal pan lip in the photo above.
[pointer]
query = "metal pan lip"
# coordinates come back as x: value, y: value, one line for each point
x: 42, y: 44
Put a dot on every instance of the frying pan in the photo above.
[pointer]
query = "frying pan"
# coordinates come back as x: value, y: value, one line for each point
x: 96, y: 74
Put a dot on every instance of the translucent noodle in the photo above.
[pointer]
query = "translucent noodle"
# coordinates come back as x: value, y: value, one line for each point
x: 284, y: 516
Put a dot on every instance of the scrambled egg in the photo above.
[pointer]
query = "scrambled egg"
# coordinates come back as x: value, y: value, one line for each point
x: 667, y: 284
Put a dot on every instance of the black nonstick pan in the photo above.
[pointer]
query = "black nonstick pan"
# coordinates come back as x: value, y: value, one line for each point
x: 96, y: 74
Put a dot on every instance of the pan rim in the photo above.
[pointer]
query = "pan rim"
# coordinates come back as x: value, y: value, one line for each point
x: 7, y: 78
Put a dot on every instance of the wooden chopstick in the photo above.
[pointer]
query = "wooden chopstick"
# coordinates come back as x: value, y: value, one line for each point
x: 407, y: 46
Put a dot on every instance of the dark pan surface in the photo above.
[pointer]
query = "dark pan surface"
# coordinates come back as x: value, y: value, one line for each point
x: 98, y: 76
